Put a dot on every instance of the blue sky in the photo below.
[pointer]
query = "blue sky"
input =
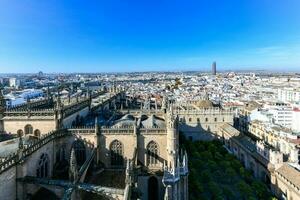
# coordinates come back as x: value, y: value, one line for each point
x: 140, y: 35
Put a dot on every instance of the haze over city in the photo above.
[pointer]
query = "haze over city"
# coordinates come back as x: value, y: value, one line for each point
x: 124, y: 36
x: 150, y: 100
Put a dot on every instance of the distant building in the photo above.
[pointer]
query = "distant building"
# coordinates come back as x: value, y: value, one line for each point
x: 14, y: 82
x: 214, y: 68
x: 20, y: 97
x: 288, y: 95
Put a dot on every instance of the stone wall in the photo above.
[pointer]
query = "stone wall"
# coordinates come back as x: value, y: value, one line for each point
x: 45, y: 126
x: 8, y: 184
x: 67, y: 122
x: 200, y: 126
x: 142, y: 183
x: 283, y: 187
x: 128, y: 141
x: 145, y: 139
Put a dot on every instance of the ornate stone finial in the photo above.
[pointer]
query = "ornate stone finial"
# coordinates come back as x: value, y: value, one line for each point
x: 58, y: 103
x: 73, y: 170
x: 128, y: 178
x: 21, y: 143
x: 48, y: 92
x: 88, y: 91
x: 2, y: 100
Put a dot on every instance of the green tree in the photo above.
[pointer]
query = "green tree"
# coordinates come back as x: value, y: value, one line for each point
x: 244, y: 189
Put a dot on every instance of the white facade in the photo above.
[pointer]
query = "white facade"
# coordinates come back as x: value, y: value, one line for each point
x: 14, y: 99
x: 288, y: 95
x: 282, y: 116
x: 296, y: 120
x: 14, y: 82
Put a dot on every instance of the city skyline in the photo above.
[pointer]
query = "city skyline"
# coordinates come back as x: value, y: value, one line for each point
x: 133, y: 36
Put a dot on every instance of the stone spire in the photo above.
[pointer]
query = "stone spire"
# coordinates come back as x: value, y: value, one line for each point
x: 2, y: 109
x: 88, y: 91
x: 128, y: 172
x: 59, y: 112
x: 73, y: 169
x: 2, y: 101
x: 58, y: 103
x: 96, y: 125
x: 48, y: 93
x: 21, y: 143
x: 164, y: 103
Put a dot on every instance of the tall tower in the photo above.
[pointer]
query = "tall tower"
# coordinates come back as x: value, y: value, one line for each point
x: 214, y: 68
x: 2, y: 109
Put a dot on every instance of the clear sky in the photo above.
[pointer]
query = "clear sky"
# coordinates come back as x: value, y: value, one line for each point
x: 148, y: 35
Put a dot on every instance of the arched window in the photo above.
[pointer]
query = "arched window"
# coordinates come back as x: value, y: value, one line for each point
x: 28, y: 129
x: 43, y: 166
x: 116, y: 153
x: 37, y: 133
x: 79, y: 152
x: 152, y: 153
x: 20, y: 133
x: 60, y: 154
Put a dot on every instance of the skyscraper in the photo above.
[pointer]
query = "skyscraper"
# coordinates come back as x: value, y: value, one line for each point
x: 214, y: 68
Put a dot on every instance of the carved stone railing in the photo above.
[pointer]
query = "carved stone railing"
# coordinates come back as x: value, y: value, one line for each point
x: 113, y: 130
x: 83, y: 130
x: 31, y: 112
x: 30, y: 104
x: 104, y: 102
x: 159, y: 131
x: 71, y: 109
x: 141, y: 112
x: 8, y: 162
x: 203, y: 111
x: 29, y: 149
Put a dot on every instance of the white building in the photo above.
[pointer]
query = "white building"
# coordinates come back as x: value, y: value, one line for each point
x: 282, y: 115
x: 14, y: 82
x: 288, y: 95
x: 17, y: 98
x: 296, y: 120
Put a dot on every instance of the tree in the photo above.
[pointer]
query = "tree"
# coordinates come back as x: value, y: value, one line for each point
x: 244, y: 189
x: 214, y: 190
x: 230, y: 173
x: 260, y: 189
x: 227, y: 192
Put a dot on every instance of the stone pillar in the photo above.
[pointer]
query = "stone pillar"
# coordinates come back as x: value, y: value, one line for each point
x: 20, y: 186
x: 2, y: 109
x: 171, y: 139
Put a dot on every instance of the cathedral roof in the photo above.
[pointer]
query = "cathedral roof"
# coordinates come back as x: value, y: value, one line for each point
x: 153, y: 122
x: 204, y: 104
x: 290, y: 174
x: 126, y: 120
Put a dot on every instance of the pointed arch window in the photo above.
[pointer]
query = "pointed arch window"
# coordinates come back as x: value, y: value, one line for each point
x: 43, y: 166
x: 37, y: 133
x: 28, y: 129
x: 80, y: 154
x: 116, y: 153
x: 152, y: 153
x: 20, y: 133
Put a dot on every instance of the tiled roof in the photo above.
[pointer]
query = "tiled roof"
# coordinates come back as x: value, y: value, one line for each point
x: 290, y: 173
